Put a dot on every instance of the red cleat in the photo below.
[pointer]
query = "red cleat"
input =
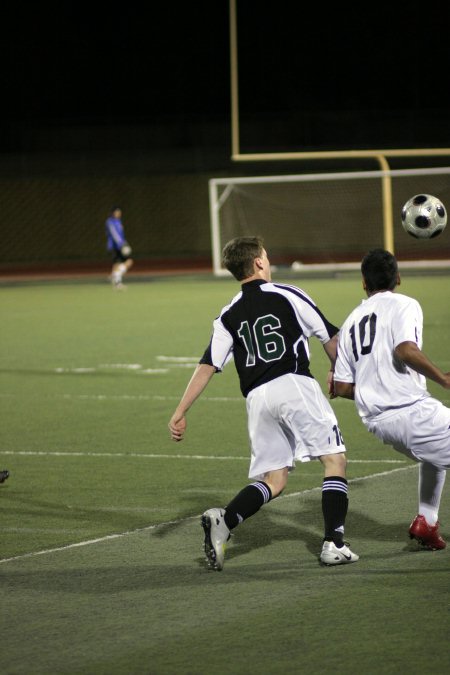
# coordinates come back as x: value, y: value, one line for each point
x: 427, y: 535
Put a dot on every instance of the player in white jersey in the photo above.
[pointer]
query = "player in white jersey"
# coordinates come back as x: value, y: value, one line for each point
x: 380, y: 364
x: 266, y: 328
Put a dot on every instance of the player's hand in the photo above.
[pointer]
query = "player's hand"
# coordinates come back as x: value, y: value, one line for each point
x: 446, y: 385
x: 177, y: 427
x: 330, y: 384
x: 126, y: 249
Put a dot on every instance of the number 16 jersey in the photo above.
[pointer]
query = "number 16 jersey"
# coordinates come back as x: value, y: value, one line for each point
x: 367, y: 341
x: 266, y: 328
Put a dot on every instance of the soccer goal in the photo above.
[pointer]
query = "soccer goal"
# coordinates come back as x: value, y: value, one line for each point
x: 329, y: 220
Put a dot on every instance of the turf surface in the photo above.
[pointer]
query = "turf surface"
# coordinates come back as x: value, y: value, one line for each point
x: 101, y: 568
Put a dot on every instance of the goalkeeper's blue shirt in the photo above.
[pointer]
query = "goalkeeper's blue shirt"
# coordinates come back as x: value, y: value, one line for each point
x: 114, y: 233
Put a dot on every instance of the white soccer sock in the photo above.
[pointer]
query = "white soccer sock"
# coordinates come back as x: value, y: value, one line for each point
x: 431, y: 484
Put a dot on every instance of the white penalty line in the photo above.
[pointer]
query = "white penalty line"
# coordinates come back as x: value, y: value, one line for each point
x: 56, y: 453
x: 99, y: 540
x: 148, y: 528
x: 136, y: 397
x: 144, y: 397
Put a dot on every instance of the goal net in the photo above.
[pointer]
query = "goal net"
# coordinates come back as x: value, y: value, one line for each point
x: 327, y: 220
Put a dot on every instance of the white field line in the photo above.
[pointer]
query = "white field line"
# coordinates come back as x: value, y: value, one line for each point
x: 171, y: 361
x: 179, y: 359
x: 154, y: 397
x: 148, y: 528
x: 88, y: 542
x: 57, y: 453
x: 134, y: 397
x: 145, y: 397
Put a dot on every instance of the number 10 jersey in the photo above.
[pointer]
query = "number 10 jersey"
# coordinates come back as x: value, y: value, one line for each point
x: 367, y: 341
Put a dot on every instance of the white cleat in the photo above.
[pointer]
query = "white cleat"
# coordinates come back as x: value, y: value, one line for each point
x: 216, y: 536
x: 332, y: 555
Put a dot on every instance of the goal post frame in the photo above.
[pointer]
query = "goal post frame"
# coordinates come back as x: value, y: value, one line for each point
x: 216, y: 201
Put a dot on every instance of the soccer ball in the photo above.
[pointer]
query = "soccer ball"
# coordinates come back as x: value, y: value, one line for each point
x: 424, y: 216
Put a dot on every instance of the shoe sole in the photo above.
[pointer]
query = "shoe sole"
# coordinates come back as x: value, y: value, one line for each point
x: 210, y: 553
x: 332, y: 558
x: 426, y: 544
x: 337, y: 562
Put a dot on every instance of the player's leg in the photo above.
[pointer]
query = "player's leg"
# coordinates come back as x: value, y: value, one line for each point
x: 251, y: 498
x: 116, y: 274
x: 422, y: 432
x: 314, y: 427
x: 334, y: 509
x: 271, y: 460
x: 334, y: 497
x: 120, y: 267
x: 118, y: 270
x: 425, y: 526
x: 218, y: 523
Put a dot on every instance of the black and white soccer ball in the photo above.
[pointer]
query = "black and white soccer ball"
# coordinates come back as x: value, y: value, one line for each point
x: 424, y: 216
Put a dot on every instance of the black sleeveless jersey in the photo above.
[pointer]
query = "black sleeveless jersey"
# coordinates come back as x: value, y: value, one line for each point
x: 266, y: 329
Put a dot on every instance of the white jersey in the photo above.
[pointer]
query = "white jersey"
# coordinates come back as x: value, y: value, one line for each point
x: 367, y: 341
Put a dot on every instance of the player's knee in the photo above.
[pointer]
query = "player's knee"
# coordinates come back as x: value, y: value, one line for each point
x: 335, y: 464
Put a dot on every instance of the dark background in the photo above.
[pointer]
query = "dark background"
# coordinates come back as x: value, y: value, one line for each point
x: 315, y: 78
x: 130, y: 104
x: 77, y: 65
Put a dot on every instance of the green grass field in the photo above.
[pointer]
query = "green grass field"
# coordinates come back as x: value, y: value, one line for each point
x: 101, y: 565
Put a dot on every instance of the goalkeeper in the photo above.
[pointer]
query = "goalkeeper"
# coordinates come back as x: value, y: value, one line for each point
x: 118, y: 245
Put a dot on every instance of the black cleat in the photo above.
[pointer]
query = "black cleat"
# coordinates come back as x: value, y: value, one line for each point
x: 4, y: 475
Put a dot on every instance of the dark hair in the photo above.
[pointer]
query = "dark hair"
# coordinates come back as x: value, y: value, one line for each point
x: 239, y: 253
x: 380, y: 270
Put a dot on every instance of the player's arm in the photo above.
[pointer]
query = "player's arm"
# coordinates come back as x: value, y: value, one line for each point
x: 414, y: 358
x: 199, y: 380
x: 116, y: 236
x: 330, y: 348
x: 344, y: 387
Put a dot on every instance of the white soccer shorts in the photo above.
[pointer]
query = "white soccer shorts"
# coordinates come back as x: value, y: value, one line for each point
x: 290, y: 418
x: 421, y: 431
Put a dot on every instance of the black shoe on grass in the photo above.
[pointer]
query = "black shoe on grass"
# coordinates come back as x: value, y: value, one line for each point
x: 4, y: 475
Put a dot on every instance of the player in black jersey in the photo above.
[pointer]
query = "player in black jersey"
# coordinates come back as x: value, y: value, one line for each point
x: 266, y: 328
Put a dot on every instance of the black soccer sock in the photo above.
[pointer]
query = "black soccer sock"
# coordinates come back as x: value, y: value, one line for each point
x: 334, y: 508
x: 246, y: 503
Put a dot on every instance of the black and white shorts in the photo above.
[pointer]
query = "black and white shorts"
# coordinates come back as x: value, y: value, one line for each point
x: 290, y: 419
